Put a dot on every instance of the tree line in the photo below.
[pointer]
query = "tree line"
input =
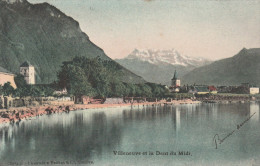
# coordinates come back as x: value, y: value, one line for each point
x: 102, y: 78
x: 91, y: 77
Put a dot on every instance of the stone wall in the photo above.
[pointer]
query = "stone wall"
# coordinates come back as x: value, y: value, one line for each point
x: 114, y: 101
x: 7, y: 102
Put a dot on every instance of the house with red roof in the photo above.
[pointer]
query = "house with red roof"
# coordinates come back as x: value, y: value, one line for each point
x: 212, y: 89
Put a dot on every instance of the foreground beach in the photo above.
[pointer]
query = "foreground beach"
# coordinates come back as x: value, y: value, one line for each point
x: 16, y: 114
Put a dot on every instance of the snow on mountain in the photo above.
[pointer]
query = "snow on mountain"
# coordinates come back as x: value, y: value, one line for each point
x: 12, y: 1
x: 171, y: 56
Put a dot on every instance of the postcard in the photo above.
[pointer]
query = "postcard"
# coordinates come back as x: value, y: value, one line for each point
x: 129, y: 82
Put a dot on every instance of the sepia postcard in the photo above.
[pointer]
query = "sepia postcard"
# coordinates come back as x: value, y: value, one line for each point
x: 129, y: 82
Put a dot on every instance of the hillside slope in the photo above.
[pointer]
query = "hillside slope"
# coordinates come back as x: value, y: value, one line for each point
x: 44, y: 36
x: 241, y: 68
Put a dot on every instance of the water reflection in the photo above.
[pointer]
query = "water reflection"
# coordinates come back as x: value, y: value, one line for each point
x: 55, y: 139
x: 254, y: 109
x: 176, y: 118
x: 94, y: 134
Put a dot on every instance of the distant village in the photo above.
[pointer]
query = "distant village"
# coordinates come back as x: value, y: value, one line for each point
x: 244, y: 88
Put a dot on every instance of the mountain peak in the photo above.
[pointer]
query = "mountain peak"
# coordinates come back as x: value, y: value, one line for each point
x: 248, y: 52
x: 13, y: 1
x: 243, y: 67
x: 168, y: 56
x: 45, y: 36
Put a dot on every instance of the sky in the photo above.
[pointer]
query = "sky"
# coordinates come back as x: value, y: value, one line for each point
x: 213, y: 29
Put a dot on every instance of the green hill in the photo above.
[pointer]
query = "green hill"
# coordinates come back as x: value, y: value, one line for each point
x: 44, y: 36
x: 241, y: 68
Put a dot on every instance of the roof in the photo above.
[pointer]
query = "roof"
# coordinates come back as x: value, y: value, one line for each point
x: 201, y: 88
x: 3, y: 70
x: 212, y: 88
x: 175, y: 76
x: 25, y: 64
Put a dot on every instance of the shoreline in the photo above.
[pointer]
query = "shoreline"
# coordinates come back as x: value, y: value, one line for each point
x: 17, y: 114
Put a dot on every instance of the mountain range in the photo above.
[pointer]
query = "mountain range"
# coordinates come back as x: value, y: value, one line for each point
x: 44, y: 36
x: 172, y: 57
x: 244, y: 67
x: 159, y: 65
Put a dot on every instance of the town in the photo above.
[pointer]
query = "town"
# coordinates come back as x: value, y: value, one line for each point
x: 54, y: 99
x: 245, y: 91
x: 133, y: 82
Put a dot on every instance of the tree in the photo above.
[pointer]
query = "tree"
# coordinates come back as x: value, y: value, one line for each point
x: 126, y: 90
x: 117, y: 89
x: 138, y: 91
x: 157, y: 90
x: 79, y: 84
x: 146, y: 90
x: 34, y: 90
x: 102, y: 78
x: 1, y: 90
x: 75, y: 80
x: 20, y: 81
x: 89, y: 76
x: 130, y: 89
x: 8, y: 89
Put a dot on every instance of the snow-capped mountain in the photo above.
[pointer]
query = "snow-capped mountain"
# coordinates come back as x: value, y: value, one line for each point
x: 171, y: 56
x: 13, y: 1
x: 159, y: 65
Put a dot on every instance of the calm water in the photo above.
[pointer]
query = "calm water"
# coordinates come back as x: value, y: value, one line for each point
x: 92, y: 135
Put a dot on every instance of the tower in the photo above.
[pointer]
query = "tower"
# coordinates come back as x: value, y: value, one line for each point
x: 27, y: 70
x: 175, y: 81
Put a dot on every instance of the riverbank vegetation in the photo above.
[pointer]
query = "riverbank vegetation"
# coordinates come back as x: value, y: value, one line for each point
x: 24, y: 90
x: 101, y: 78
x: 90, y: 77
x: 97, y: 78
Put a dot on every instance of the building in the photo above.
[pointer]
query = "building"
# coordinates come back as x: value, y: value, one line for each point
x: 176, y: 83
x: 61, y: 92
x: 6, y: 76
x: 253, y: 90
x: 248, y: 89
x: 212, y: 89
x: 175, y: 80
x: 199, y: 89
x: 224, y: 89
x: 27, y: 70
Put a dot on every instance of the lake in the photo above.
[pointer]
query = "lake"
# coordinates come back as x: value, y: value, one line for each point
x: 144, y: 135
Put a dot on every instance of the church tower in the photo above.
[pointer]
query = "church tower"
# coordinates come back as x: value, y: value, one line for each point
x: 175, y: 81
x: 27, y: 70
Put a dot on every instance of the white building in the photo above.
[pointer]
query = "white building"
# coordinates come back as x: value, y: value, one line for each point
x: 27, y: 70
x: 253, y: 90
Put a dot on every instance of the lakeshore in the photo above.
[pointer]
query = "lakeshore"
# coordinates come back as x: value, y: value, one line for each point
x: 16, y: 114
x: 94, y: 134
